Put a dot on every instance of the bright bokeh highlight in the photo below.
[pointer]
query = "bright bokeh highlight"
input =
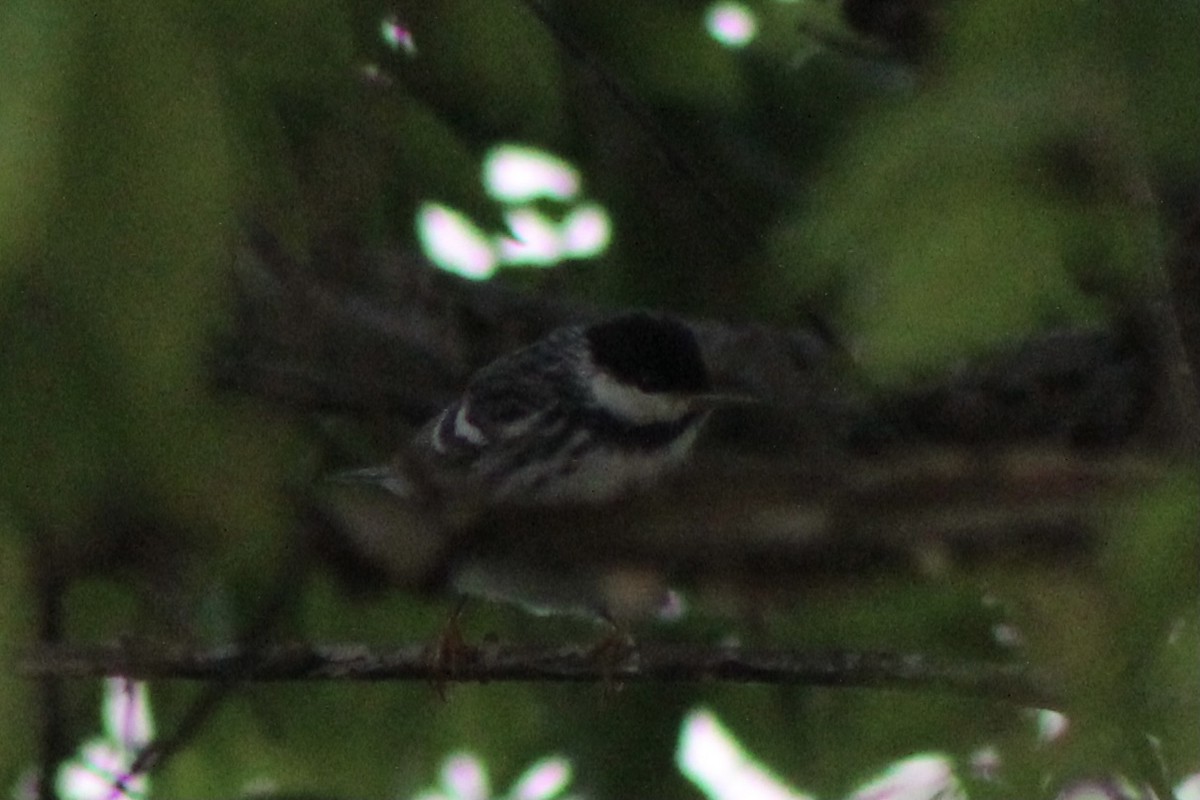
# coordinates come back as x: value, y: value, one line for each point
x: 709, y: 756
x: 104, y: 760
x: 397, y: 36
x: 464, y: 777
x: 454, y: 242
x: 514, y: 173
x: 1051, y: 725
x: 127, y: 713
x: 94, y: 771
x: 986, y: 763
x: 586, y: 231
x: 546, y: 222
x: 545, y: 780
x: 927, y: 776
x: 535, y: 238
x: 1189, y: 789
x: 731, y: 24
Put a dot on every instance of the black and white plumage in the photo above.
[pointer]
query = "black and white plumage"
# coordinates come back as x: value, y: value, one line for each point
x: 583, y: 415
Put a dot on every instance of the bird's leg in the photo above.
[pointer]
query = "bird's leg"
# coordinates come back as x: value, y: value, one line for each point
x: 448, y: 651
x: 615, y: 649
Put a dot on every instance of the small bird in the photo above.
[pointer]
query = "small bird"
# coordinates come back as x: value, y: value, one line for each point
x: 583, y: 415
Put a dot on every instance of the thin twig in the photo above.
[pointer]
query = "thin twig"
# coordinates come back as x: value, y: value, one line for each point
x: 736, y: 230
x: 53, y: 737
x: 236, y: 668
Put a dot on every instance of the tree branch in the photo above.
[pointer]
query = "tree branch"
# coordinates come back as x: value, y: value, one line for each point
x: 403, y: 337
x: 762, y: 526
x: 490, y: 663
x: 395, y: 336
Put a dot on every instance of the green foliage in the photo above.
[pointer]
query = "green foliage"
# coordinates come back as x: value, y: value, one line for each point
x: 661, y: 49
x: 934, y: 211
x: 115, y: 248
x: 495, y: 71
x: 36, y: 47
x: 963, y: 201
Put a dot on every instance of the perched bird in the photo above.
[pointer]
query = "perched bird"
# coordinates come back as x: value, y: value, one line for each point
x: 584, y: 415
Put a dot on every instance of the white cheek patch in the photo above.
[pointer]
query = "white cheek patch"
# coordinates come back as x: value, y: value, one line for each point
x: 467, y: 430
x: 633, y: 404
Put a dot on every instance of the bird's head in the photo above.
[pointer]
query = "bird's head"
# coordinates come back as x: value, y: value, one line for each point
x: 647, y: 369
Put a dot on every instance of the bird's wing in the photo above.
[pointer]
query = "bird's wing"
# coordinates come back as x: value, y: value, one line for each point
x: 512, y: 400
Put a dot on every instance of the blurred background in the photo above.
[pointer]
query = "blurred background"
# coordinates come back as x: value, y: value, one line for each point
x: 923, y: 181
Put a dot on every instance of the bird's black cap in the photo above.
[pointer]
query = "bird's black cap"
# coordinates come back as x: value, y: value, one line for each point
x: 655, y: 354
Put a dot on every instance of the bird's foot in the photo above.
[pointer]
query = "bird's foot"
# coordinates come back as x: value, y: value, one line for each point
x: 448, y: 652
x: 617, y: 651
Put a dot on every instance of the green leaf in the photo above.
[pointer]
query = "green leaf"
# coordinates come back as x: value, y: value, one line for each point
x: 35, y: 63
